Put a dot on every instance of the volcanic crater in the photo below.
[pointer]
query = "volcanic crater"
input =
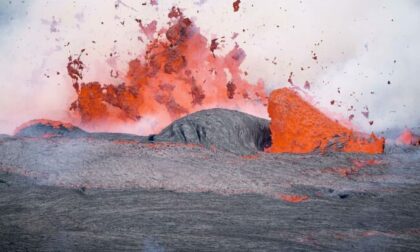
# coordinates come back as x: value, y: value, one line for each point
x: 211, y: 176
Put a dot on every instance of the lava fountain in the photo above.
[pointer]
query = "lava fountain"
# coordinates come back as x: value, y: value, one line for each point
x: 178, y: 74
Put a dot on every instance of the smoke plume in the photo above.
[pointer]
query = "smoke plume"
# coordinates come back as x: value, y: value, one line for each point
x: 356, y: 59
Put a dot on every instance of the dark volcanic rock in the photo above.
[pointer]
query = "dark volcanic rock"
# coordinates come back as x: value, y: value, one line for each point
x: 46, y: 218
x: 228, y: 130
x: 224, y: 129
x: 48, y: 128
x: 83, y: 194
x: 3, y: 136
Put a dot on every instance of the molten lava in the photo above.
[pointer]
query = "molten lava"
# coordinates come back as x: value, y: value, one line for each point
x: 236, y: 5
x: 408, y: 138
x: 293, y: 198
x: 298, y: 127
x: 177, y: 75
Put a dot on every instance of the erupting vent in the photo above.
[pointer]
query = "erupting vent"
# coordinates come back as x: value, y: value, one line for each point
x: 178, y: 74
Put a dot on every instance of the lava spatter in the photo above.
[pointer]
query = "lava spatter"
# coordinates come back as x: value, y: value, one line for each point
x: 75, y: 68
x: 176, y: 75
x: 407, y: 137
x: 236, y: 5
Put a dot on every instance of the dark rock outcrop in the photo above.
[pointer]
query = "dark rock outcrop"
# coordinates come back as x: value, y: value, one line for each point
x: 227, y: 130
x: 224, y: 129
x: 48, y: 128
x: 2, y: 136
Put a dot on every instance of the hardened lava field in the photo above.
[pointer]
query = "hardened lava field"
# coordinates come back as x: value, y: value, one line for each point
x: 65, y: 188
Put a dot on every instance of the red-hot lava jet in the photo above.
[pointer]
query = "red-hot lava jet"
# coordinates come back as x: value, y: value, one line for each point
x: 178, y: 74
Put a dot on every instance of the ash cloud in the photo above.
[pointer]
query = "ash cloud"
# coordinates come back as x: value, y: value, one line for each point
x: 366, y: 52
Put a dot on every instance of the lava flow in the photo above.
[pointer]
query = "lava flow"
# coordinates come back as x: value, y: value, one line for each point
x: 408, y: 138
x: 177, y: 75
x: 298, y: 127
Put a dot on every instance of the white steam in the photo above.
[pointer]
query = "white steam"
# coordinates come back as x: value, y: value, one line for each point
x: 359, y: 46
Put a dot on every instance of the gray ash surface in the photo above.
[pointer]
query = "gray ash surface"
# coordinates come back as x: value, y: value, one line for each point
x: 109, y: 192
x: 44, y: 218
x: 224, y: 129
x: 227, y: 130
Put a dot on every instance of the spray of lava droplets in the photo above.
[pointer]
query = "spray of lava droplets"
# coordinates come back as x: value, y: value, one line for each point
x: 178, y: 74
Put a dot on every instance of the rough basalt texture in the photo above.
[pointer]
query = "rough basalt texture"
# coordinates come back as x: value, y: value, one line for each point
x: 227, y: 130
x: 48, y: 128
x: 224, y: 129
x: 84, y: 194
x: 4, y: 136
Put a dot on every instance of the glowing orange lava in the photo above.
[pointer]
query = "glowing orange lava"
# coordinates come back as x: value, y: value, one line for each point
x: 293, y: 198
x: 177, y: 75
x: 298, y: 127
x: 408, y: 138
